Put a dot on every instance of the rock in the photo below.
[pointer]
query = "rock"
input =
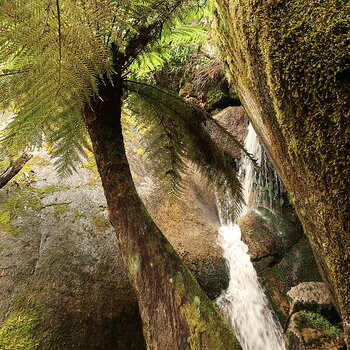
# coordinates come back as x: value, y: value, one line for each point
x: 268, y: 234
x: 280, y: 253
x: 269, y: 48
x: 61, y: 276
x: 190, y: 224
x: 62, y: 279
x: 233, y: 119
x: 312, y: 296
x: 311, y: 331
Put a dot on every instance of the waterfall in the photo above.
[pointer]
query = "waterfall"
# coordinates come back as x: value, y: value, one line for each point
x: 247, y: 171
x: 244, y: 304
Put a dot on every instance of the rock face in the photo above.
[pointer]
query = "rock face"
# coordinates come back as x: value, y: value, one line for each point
x: 190, y: 223
x: 289, y: 63
x: 62, y: 278
x: 280, y: 253
x: 311, y: 331
x: 235, y: 120
x: 310, y: 295
x: 63, y: 284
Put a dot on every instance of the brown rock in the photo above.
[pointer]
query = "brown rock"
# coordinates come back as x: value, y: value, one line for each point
x: 310, y: 296
x: 235, y: 120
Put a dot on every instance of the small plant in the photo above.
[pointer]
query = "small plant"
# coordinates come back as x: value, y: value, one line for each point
x: 315, y: 320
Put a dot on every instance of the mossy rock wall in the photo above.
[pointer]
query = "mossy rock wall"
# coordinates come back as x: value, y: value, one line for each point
x: 290, y: 63
x: 63, y: 285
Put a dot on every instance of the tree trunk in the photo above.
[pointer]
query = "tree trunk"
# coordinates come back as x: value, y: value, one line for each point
x: 14, y: 169
x: 290, y: 65
x: 176, y: 313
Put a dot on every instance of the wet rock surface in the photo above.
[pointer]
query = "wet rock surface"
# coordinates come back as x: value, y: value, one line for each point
x: 281, y: 255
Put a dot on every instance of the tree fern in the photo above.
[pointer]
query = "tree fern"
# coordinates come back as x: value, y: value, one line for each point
x: 56, y: 55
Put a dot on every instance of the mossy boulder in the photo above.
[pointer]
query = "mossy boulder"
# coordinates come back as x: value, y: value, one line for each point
x: 311, y: 331
x: 289, y: 63
x: 312, y: 296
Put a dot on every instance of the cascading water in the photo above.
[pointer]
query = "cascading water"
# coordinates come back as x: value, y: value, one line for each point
x: 246, y: 170
x: 244, y: 304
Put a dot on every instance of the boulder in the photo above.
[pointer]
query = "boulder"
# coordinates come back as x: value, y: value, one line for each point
x: 312, y: 296
x: 299, y: 106
x: 269, y: 234
x: 235, y: 120
x: 280, y: 253
x: 311, y: 331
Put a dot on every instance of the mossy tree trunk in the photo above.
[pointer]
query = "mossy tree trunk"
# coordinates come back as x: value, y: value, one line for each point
x: 176, y: 313
x: 289, y: 62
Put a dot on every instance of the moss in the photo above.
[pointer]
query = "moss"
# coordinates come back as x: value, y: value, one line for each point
x: 293, y: 77
x: 196, y: 324
x: 39, y: 161
x: 133, y: 264
x: 93, y: 182
x: 207, y: 330
x: 20, y: 332
x: 101, y: 223
x: 15, y: 205
x: 91, y: 164
x: 42, y: 191
x: 21, y: 200
x: 315, y: 320
x: 60, y: 209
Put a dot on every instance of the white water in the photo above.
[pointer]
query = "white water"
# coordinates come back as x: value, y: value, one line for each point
x: 244, y: 304
x: 247, y: 171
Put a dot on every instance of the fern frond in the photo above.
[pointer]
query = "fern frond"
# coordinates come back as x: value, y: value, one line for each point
x: 50, y: 72
x: 178, y: 134
x: 54, y: 56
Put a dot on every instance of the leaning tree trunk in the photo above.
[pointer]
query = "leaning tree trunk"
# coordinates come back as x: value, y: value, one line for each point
x: 289, y: 61
x: 14, y: 169
x: 176, y: 313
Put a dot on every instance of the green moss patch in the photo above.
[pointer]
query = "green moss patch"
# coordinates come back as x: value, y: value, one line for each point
x: 20, y: 332
x: 101, y: 223
x: 20, y: 201
x: 315, y: 320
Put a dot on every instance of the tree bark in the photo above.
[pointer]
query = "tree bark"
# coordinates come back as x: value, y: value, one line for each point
x: 290, y: 65
x: 176, y: 313
x: 14, y: 169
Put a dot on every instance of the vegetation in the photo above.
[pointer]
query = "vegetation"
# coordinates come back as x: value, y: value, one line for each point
x: 66, y: 69
x: 311, y: 319
x: 20, y: 332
